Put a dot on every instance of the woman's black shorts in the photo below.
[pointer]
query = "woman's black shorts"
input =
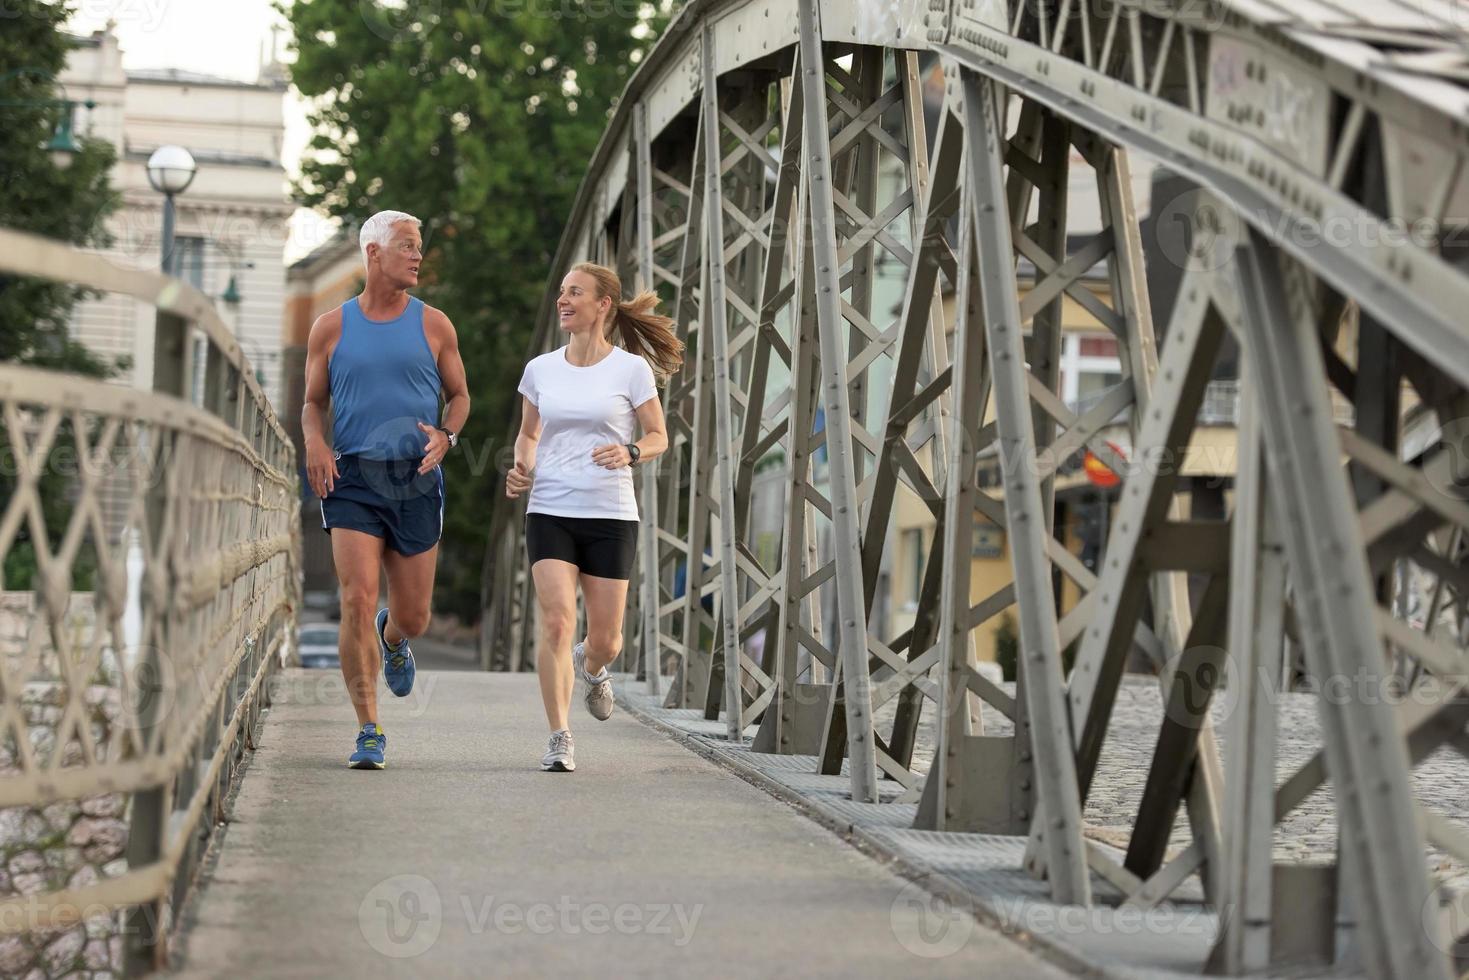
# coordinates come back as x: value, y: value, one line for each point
x: 598, y: 546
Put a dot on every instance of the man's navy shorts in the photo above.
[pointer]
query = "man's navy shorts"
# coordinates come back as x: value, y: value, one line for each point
x: 389, y: 499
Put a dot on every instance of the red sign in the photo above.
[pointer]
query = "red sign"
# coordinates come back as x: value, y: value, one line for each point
x: 1099, y: 472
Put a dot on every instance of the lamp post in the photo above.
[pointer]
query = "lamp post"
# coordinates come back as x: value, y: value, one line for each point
x: 170, y: 170
x: 63, y: 145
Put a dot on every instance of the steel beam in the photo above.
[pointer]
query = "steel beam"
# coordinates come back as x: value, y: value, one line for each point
x: 1193, y: 340
x: 1256, y: 645
x: 851, y: 614
x: 970, y: 391
x: 717, y: 335
x: 1334, y: 596
x: 1025, y: 521
x: 649, y: 598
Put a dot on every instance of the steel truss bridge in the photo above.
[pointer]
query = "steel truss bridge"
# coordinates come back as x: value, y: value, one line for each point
x: 771, y: 159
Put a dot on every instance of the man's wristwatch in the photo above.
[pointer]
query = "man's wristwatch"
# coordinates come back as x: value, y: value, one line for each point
x: 634, y: 452
x: 453, y: 437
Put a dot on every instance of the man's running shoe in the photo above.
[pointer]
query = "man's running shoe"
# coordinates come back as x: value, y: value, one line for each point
x: 558, y: 753
x: 599, y: 692
x: 371, y: 744
x: 398, y: 668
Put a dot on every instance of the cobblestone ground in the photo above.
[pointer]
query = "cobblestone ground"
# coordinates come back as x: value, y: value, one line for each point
x: 1306, y: 836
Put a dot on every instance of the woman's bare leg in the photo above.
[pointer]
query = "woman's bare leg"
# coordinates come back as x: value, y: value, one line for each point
x: 556, y: 603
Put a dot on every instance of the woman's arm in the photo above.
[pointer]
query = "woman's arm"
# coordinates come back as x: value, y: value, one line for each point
x: 654, y: 442
x: 518, y: 480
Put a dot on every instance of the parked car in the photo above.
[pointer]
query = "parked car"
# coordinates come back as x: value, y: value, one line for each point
x: 318, y: 601
x: 320, y: 604
x: 317, y: 644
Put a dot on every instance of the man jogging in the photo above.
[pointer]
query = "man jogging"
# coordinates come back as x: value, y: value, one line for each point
x: 380, y: 360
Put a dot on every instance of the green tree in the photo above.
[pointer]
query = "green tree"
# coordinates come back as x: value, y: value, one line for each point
x: 479, y: 117
x: 69, y: 203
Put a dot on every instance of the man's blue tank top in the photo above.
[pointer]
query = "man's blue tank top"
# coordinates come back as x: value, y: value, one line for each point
x: 384, y: 382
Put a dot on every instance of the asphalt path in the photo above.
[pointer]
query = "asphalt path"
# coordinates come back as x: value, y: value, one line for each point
x: 462, y: 858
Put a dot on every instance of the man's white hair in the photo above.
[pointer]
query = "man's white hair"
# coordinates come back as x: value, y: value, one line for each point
x: 379, y: 228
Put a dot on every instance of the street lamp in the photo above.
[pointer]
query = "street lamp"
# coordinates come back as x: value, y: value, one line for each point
x: 62, y: 145
x: 170, y: 170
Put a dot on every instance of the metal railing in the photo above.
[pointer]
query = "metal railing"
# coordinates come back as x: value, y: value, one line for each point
x: 150, y: 549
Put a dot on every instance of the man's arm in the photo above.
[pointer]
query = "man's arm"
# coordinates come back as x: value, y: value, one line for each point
x: 321, y: 467
x: 451, y: 375
x: 453, y: 382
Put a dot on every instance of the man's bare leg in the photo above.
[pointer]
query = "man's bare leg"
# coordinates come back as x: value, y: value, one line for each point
x: 358, y: 557
x: 410, y: 593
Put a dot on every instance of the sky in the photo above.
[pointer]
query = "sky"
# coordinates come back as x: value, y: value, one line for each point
x: 218, y: 37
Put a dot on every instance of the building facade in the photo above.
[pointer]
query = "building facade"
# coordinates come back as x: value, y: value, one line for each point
x: 1090, y: 366
x: 232, y: 221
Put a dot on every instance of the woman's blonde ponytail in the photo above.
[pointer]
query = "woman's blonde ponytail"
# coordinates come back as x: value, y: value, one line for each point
x: 641, y: 330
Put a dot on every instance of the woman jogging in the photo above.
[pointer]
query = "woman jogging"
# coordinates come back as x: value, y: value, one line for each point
x: 575, y: 454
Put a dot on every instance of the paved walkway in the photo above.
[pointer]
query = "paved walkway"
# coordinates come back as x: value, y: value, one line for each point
x: 463, y: 859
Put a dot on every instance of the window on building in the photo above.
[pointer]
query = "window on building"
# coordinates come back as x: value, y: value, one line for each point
x: 188, y: 260
x: 1092, y: 384
x: 1089, y: 367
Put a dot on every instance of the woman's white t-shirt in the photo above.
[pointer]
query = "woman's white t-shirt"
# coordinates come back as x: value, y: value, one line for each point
x: 582, y: 408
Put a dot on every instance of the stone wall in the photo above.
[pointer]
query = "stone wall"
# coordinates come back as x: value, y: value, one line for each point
x: 70, y: 844
x: 65, y: 845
